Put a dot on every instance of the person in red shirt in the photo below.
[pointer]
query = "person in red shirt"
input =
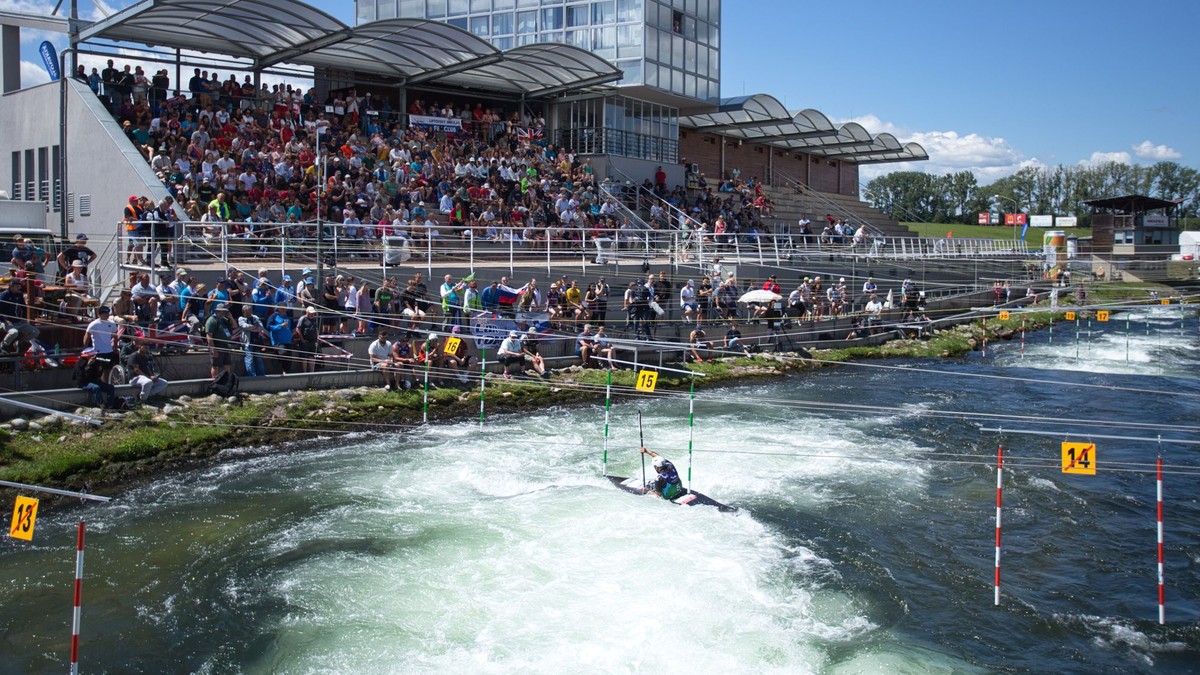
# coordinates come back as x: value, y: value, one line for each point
x: 660, y: 180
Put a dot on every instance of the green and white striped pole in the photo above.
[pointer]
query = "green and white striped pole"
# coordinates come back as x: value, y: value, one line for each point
x: 482, y: 380
x: 691, y: 426
x: 607, y: 406
x: 425, y: 400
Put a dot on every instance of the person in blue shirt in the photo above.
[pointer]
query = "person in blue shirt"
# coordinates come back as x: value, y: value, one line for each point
x: 280, y: 328
x: 263, y: 299
x: 667, y: 484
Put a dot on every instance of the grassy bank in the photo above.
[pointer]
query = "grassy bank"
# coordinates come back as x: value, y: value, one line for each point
x: 148, y: 442
x: 1033, y: 237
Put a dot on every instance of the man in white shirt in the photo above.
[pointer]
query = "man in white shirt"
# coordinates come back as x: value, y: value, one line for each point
x: 510, y: 353
x: 873, y: 311
x: 380, y: 353
x: 102, y: 332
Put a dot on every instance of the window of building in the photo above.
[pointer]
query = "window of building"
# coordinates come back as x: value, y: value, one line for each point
x: 56, y: 178
x: 366, y: 12
x: 677, y: 23
x: 437, y: 9
x: 577, y: 15
x: 502, y: 43
x: 503, y: 4
x: 629, y: 42
x: 458, y: 22
x: 579, y: 38
x: 43, y: 193
x: 552, y: 36
x: 481, y: 6
x: 459, y: 7
x: 527, y: 3
x: 552, y: 18
x: 412, y: 8
x: 526, y: 22
x: 17, y: 192
x: 480, y: 25
x: 629, y: 10
x: 502, y: 24
x: 632, y: 71
x: 387, y: 10
x: 604, y: 13
x: 604, y: 38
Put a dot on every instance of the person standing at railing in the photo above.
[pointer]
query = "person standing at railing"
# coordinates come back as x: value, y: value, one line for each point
x: 79, y: 252
x: 132, y: 220
x: 451, y: 294
x: 600, y: 314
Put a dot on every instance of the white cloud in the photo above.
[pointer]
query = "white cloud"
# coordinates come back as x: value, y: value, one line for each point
x: 987, y: 157
x: 33, y: 74
x: 1157, y: 153
x: 1099, y: 158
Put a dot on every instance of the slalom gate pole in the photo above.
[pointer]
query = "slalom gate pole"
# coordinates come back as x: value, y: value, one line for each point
x: 1022, y: 337
x: 691, y: 426
x: 1126, y: 338
x: 642, y: 443
x: 1162, y: 610
x: 75, y: 617
x: 985, y: 336
x: 425, y: 399
x: 1089, y: 334
x: 1051, y: 328
x: 482, y: 378
x: 1077, y: 335
x: 607, y: 408
x: 999, y: 495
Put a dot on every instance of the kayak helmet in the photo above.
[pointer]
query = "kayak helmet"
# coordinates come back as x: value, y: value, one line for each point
x: 659, y: 462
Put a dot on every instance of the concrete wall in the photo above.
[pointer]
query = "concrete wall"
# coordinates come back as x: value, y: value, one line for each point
x: 103, y: 166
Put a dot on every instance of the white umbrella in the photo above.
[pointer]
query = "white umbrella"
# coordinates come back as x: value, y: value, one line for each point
x: 760, y: 295
x: 887, y: 304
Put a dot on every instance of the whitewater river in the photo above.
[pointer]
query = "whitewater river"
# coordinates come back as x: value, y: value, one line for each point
x: 864, y: 541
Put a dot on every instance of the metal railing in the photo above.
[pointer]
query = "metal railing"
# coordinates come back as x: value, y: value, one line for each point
x: 602, y: 141
x: 832, y: 207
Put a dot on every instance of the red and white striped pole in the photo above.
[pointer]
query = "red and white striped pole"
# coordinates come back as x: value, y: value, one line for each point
x: 1022, y: 337
x: 78, y: 600
x: 1162, y: 615
x: 999, y: 493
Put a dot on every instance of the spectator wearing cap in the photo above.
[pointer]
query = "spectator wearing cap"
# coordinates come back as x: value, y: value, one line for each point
x: 77, y: 287
x: 285, y: 295
x: 145, y: 298
x: 281, y: 328
x: 135, y: 229
x: 219, y: 334
x: 687, y: 302
x: 218, y: 295
x: 254, y: 336
x: 307, y: 335
x: 102, y: 332
x: 510, y: 353
x: 79, y: 251
x: 380, y: 354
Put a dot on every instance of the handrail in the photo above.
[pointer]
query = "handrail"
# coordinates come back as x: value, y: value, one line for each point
x: 830, y: 205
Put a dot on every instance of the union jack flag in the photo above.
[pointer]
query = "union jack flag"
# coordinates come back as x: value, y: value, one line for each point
x: 529, y: 135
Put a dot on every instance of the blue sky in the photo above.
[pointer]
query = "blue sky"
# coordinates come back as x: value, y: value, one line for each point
x: 984, y: 86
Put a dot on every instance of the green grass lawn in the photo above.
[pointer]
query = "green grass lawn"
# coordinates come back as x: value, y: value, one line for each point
x: 1032, y: 237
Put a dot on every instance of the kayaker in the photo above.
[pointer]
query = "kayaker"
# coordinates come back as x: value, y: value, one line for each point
x: 667, y: 484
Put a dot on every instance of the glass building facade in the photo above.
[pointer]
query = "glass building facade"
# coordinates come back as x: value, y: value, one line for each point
x: 673, y: 46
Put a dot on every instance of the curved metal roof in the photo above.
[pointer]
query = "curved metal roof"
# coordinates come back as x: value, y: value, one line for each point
x: 269, y: 32
x: 403, y: 48
x: 542, y: 69
x: 741, y: 111
x: 763, y: 119
x: 247, y: 28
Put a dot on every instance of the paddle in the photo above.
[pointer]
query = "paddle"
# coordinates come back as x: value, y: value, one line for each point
x: 642, y: 444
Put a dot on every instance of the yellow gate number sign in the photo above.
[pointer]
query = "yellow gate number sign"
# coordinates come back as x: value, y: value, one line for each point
x: 1079, y: 458
x: 1102, y: 315
x: 1070, y: 316
x: 451, y: 346
x: 23, y: 518
x: 1004, y: 315
x: 1164, y: 301
x: 646, y: 380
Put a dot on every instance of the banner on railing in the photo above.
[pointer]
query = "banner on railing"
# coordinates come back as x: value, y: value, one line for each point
x: 489, y: 330
x: 428, y: 123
